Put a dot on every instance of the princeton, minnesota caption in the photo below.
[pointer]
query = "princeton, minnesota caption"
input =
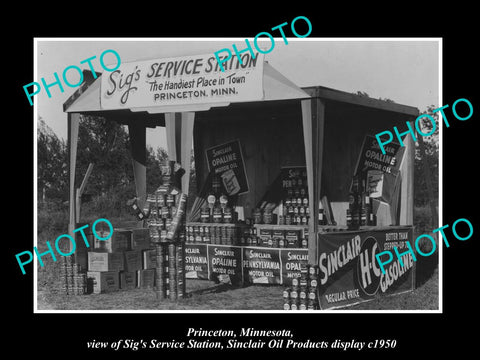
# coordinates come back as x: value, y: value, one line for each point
x: 245, y: 338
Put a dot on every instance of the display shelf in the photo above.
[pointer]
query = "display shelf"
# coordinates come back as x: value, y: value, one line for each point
x: 199, y: 223
x: 280, y: 227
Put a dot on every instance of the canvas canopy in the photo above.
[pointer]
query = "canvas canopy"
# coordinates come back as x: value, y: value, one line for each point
x: 178, y: 120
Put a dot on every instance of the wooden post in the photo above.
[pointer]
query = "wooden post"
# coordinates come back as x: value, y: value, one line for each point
x: 137, y: 133
x: 313, y: 114
x: 308, y: 141
x: 80, y: 191
x: 188, y: 119
x: 406, y: 170
x: 73, y: 124
x: 179, y: 128
x: 170, y: 131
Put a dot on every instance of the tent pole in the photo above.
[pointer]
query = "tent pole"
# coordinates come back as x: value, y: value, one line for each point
x: 137, y: 133
x: 406, y: 171
x: 73, y: 124
x: 313, y: 116
x: 188, y: 119
x: 170, y: 130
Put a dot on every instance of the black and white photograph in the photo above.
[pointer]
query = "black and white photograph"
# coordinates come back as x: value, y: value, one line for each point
x: 182, y: 186
x: 280, y: 191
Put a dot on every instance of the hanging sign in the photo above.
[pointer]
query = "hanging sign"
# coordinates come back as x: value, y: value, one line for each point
x: 187, y: 80
x: 371, y: 157
x: 381, y: 171
x: 226, y: 161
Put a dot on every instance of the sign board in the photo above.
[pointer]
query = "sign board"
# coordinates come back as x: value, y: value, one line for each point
x: 381, y: 171
x: 239, y: 264
x: 372, y: 158
x: 226, y: 161
x: 262, y: 265
x: 225, y: 264
x: 195, y: 79
x: 349, y: 271
x: 292, y: 260
x: 196, y: 262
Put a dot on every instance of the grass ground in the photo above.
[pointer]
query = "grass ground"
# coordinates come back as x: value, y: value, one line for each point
x: 206, y: 295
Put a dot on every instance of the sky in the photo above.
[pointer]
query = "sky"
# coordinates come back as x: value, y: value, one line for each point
x: 404, y: 70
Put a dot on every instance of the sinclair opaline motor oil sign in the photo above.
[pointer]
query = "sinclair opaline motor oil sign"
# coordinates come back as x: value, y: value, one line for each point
x: 349, y: 271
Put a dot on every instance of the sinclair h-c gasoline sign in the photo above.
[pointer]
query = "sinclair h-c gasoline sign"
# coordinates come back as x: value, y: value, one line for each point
x: 195, y: 79
x: 349, y: 271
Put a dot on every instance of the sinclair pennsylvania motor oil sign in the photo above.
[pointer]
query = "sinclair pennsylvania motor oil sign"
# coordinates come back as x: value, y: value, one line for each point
x: 349, y: 272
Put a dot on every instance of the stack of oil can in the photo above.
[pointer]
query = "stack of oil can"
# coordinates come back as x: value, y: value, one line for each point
x: 302, y: 295
x: 294, y: 209
x: 73, y: 279
x: 165, y: 215
x: 170, y: 271
x: 219, y: 234
x: 360, y: 210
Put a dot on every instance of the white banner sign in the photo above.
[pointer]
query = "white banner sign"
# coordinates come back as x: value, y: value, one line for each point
x: 194, y: 79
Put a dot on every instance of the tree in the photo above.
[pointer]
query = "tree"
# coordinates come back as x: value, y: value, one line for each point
x: 430, y: 157
x: 105, y: 144
x: 51, y: 164
x: 154, y: 171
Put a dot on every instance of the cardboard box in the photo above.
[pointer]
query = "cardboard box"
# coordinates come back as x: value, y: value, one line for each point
x: 81, y: 258
x: 278, y: 234
x: 146, y: 278
x: 265, y: 236
x: 292, y: 238
x: 128, y: 280
x: 140, y: 239
x: 104, y: 261
x: 121, y: 240
x: 102, y: 281
x: 149, y: 258
x: 133, y: 260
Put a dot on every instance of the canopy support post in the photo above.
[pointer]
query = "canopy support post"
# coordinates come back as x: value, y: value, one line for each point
x: 138, y: 135
x: 313, y: 116
x: 73, y: 125
x: 179, y: 128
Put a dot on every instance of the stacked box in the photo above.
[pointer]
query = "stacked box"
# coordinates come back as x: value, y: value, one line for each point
x: 121, y: 240
x: 292, y: 238
x: 303, y: 293
x: 105, y: 261
x: 128, y: 280
x: 265, y: 236
x: 133, y: 260
x: 82, y: 259
x: 146, y: 278
x: 102, y: 281
x: 149, y: 259
x: 140, y: 238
